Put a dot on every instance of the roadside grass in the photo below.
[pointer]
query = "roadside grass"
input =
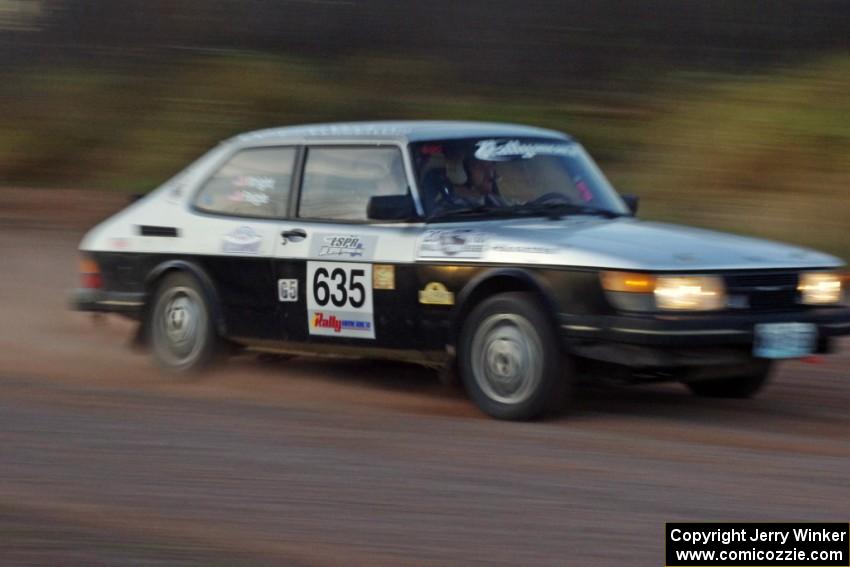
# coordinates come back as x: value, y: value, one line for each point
x: 764, y: 155
x: 768, y: 156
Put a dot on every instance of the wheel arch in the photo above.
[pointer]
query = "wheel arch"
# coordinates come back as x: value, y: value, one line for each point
x: 499, y: 280
x: 155, y: 277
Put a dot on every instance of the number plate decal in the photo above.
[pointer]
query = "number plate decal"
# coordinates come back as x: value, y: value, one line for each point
x: 784, y: 340
x: 339, y: 300
x: 287, y: 290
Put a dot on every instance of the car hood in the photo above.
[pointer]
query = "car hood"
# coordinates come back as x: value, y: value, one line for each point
x: 632, y: 244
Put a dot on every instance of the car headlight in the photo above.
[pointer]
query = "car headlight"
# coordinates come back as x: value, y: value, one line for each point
x: 819, y: 288
x: 636, y: 291
x: 690, y: 293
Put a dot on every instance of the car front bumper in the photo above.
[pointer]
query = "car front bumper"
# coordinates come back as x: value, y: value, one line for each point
x: 687, y: 340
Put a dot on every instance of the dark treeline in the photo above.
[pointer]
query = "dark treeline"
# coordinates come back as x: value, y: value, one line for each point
x: 486, y: 40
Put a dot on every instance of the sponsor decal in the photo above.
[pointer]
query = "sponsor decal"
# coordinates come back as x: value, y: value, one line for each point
x: 119, y: 243
x: 343, y: 246
x: 243, y: 196
x: 329, y: 130
x: 452, y: 243
x: 260, y: 183
x: 383, y: 276
x: 584, y: 190
x: 431, y: 150
x: 321, y: 320
x: 504, y: 150
x: 287, y: 290
x: 242, y: 240
x: 339, y: 299
x: 523, y: 249
x: 435, y: 293
x: 351, y: 246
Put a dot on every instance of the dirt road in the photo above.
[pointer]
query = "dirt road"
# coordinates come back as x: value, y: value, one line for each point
x: 105, y: 461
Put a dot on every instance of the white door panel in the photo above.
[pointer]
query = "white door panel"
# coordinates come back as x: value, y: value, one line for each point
x: 333, y: 265
x: 348, y: 243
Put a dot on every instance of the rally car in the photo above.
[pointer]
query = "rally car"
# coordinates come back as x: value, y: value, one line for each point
x: 497, y: 250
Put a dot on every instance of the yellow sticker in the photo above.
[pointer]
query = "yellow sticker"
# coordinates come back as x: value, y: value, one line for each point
x: 435, y: 293
x: 383, y: 276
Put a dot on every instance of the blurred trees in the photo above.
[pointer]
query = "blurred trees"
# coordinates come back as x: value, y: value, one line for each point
x: 496, y: 40
x: 739, y: 105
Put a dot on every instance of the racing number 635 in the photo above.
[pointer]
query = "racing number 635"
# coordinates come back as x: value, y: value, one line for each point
x: 339, y: 300
x: 337, y: 287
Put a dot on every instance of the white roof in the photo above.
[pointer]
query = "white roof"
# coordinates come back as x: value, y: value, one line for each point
x: 404, y: 131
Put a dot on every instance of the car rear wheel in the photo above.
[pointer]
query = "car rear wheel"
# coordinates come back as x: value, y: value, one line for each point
x: 745, y: 386
x: 183, y: 336
x: 510, y: 361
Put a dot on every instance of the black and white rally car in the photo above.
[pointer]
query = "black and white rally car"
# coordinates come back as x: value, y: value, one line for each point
x: 498, y: 250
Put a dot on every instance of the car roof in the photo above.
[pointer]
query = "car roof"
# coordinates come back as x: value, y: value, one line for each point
x: 397, y: 131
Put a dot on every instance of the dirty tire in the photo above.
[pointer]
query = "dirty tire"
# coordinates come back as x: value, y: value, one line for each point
x: 182, y: 332
x: 510, y: 361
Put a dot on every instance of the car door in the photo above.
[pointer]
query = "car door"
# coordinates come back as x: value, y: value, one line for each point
x: 341, y: 278
x: 236, y: 210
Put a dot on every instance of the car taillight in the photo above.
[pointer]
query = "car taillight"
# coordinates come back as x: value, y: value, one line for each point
x: 90, y: 274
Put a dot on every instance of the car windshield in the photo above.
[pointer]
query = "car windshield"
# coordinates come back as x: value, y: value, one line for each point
x: 501, y: 177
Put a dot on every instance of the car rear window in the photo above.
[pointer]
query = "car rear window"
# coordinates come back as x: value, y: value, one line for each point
x: 254, y: 182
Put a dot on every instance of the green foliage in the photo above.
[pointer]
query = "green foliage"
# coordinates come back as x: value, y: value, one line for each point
x: 766, y: 155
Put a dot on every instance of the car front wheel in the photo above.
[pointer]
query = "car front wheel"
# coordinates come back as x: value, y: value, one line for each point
x: 510, y: 360
x: 183, y: 337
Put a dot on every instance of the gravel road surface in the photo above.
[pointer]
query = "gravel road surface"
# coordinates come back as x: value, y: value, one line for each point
x: 106, y: 461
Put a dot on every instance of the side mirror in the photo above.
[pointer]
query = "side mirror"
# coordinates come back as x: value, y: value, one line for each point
x: 391, y: 207
x: 631, y: 202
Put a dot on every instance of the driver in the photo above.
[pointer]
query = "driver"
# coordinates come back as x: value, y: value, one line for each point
x: 480, y: 187
x: 472, y: 183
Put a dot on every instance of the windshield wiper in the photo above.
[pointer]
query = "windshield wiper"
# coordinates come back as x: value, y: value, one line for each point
x: 557, y: 210
x: 475, y: 211
x: 552, y: 210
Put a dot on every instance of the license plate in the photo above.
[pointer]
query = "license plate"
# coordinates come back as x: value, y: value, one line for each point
x: 784, y: 340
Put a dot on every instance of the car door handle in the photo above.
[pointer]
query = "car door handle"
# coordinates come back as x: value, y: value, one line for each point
x: 295, y: 235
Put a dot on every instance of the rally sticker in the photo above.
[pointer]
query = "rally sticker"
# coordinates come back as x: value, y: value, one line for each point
x: 383, y: 276
x: 436, y: 293
x: 332, y: 246
x: 503, y: 150
x: 242, y: 240
x: 510, y: 248
x: 260, y: 183
x: 452, y: 243
x: 287, y: 290
x: 242, y: 196
x: 339, y: 300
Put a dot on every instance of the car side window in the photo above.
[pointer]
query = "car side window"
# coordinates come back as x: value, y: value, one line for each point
x: 338, y: 182
x: 254, y: 182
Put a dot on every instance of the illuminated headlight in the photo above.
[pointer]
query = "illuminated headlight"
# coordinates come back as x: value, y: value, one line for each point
x: 644, y: 292
x: 690, y: 293
x: 819, y: 288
